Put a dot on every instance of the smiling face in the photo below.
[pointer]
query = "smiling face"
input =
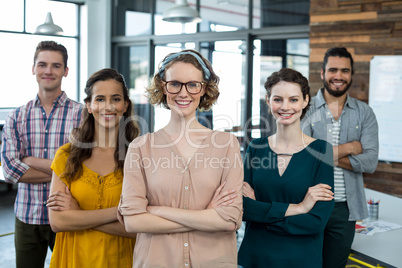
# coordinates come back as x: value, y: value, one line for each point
x: 107, y: 103
x: 286, y: 102
x: 49, y: 70
x: 337, y: 76
x: 183, y: 102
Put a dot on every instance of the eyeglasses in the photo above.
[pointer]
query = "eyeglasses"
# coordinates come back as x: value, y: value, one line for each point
x: 192, y: 87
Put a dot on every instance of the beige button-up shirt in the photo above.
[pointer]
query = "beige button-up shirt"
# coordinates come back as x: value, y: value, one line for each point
x: 156, y: 174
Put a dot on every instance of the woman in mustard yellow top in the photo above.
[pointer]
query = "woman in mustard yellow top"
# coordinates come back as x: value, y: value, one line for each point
x: 87, y: 180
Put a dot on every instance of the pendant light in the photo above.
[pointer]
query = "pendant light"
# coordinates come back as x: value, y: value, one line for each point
x: 49, y: 28
x: 181, y: 12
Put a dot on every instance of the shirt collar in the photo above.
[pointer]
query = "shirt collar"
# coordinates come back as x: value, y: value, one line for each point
x: 61, y: 99
x: 320, y: 101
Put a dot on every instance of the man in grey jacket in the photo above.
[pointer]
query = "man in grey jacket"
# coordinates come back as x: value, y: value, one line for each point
x: 351, y: 127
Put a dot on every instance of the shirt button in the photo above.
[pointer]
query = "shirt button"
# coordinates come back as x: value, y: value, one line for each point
x: 330, y: 130
x: 185, y: 207
x: 186, y: 244
x: 44, y: 202
x: 45, y: 150
x: 46, y: 130
x: 357, y: 127
x: 186, y: 263
x: 186, y: 187
x: 44, y: 185
x: 312, y: 125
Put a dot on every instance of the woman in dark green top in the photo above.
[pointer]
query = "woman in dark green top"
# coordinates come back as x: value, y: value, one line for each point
x: 288, y: 181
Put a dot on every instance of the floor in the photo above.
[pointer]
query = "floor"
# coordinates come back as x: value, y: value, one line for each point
x: 7, y: 251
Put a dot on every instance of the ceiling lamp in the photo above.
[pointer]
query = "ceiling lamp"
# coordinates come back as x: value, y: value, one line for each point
x: 181, y: 12
x: 49, y: 28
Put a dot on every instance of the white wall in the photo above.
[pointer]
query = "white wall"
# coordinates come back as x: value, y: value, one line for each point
x: 96, y: 25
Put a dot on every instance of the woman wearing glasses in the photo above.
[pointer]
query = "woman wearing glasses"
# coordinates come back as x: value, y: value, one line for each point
x: 182, y: 184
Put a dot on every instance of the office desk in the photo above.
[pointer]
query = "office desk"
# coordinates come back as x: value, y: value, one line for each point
x: 385, y: 247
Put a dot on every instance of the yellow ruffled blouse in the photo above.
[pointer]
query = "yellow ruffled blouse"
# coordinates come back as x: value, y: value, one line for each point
x: 91, y: 248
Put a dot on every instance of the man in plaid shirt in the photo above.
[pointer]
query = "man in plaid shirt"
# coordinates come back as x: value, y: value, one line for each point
x: 31, y: 136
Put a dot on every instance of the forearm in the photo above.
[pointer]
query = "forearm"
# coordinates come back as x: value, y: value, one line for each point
x: 341, y: 151
x: 76, y: 220
x: 40, y: 164
x: 344, y: 163
x: 294, y: 209
x: 346, y: 149
x: 147, y: 223
x: 207, y: 220
x: 114, y: 228
x: 33, y: 175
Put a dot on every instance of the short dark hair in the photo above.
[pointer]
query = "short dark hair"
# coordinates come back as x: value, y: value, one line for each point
x: 341, y: 52
x: 292, y: 76
x: 52, y: 46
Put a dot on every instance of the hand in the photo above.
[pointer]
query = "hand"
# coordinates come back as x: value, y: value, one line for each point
x: 319, y: 192
x: 62, y: 201
x: 222, y: 199
x: 248, y: 191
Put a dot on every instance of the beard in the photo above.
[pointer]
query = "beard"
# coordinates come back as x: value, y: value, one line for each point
x: 337, y: 93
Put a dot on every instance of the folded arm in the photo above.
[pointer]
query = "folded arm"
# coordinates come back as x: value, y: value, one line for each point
x: 16, y: 169
x: 207, y: 220
x: 114, y: 228
x: 362, y: 155
x: 39, y: 170
x: 40, y: 164
x: 285, y: 218
x: 63, y: 220
x: 159, y: 219
x: 148, y: 223
x: 342, y: 151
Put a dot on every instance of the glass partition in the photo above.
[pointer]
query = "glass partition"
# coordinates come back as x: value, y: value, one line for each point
x: 270, y: 56
x: 166, y: 28
x: 228, y: 61
x: 137, y: 23
x: 21, y: 85
x: 63, y: 14
x: 12, y: 15
x: 18, y: 19
x: 223, y: 15
x: 134, y: 65
x: 281, y: 13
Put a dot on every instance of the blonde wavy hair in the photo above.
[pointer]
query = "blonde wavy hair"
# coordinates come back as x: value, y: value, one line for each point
x: 155, y: 93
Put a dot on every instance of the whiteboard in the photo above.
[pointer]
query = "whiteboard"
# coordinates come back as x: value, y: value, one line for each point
x: 385, y: 98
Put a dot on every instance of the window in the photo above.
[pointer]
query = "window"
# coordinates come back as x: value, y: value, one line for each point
x: 18, y: 45
x: 278, y: 30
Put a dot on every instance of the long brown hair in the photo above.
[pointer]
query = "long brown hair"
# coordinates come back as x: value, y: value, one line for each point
x: 82, y: 138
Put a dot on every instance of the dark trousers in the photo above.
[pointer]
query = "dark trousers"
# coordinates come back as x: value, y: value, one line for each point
x: 31, y: 242
x: 338, y: 237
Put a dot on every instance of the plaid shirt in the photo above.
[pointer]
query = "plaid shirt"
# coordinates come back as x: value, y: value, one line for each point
x: 29, y: 132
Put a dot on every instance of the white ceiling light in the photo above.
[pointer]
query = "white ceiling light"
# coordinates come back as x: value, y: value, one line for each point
x: 181, y: 12
x: 49, y: 27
